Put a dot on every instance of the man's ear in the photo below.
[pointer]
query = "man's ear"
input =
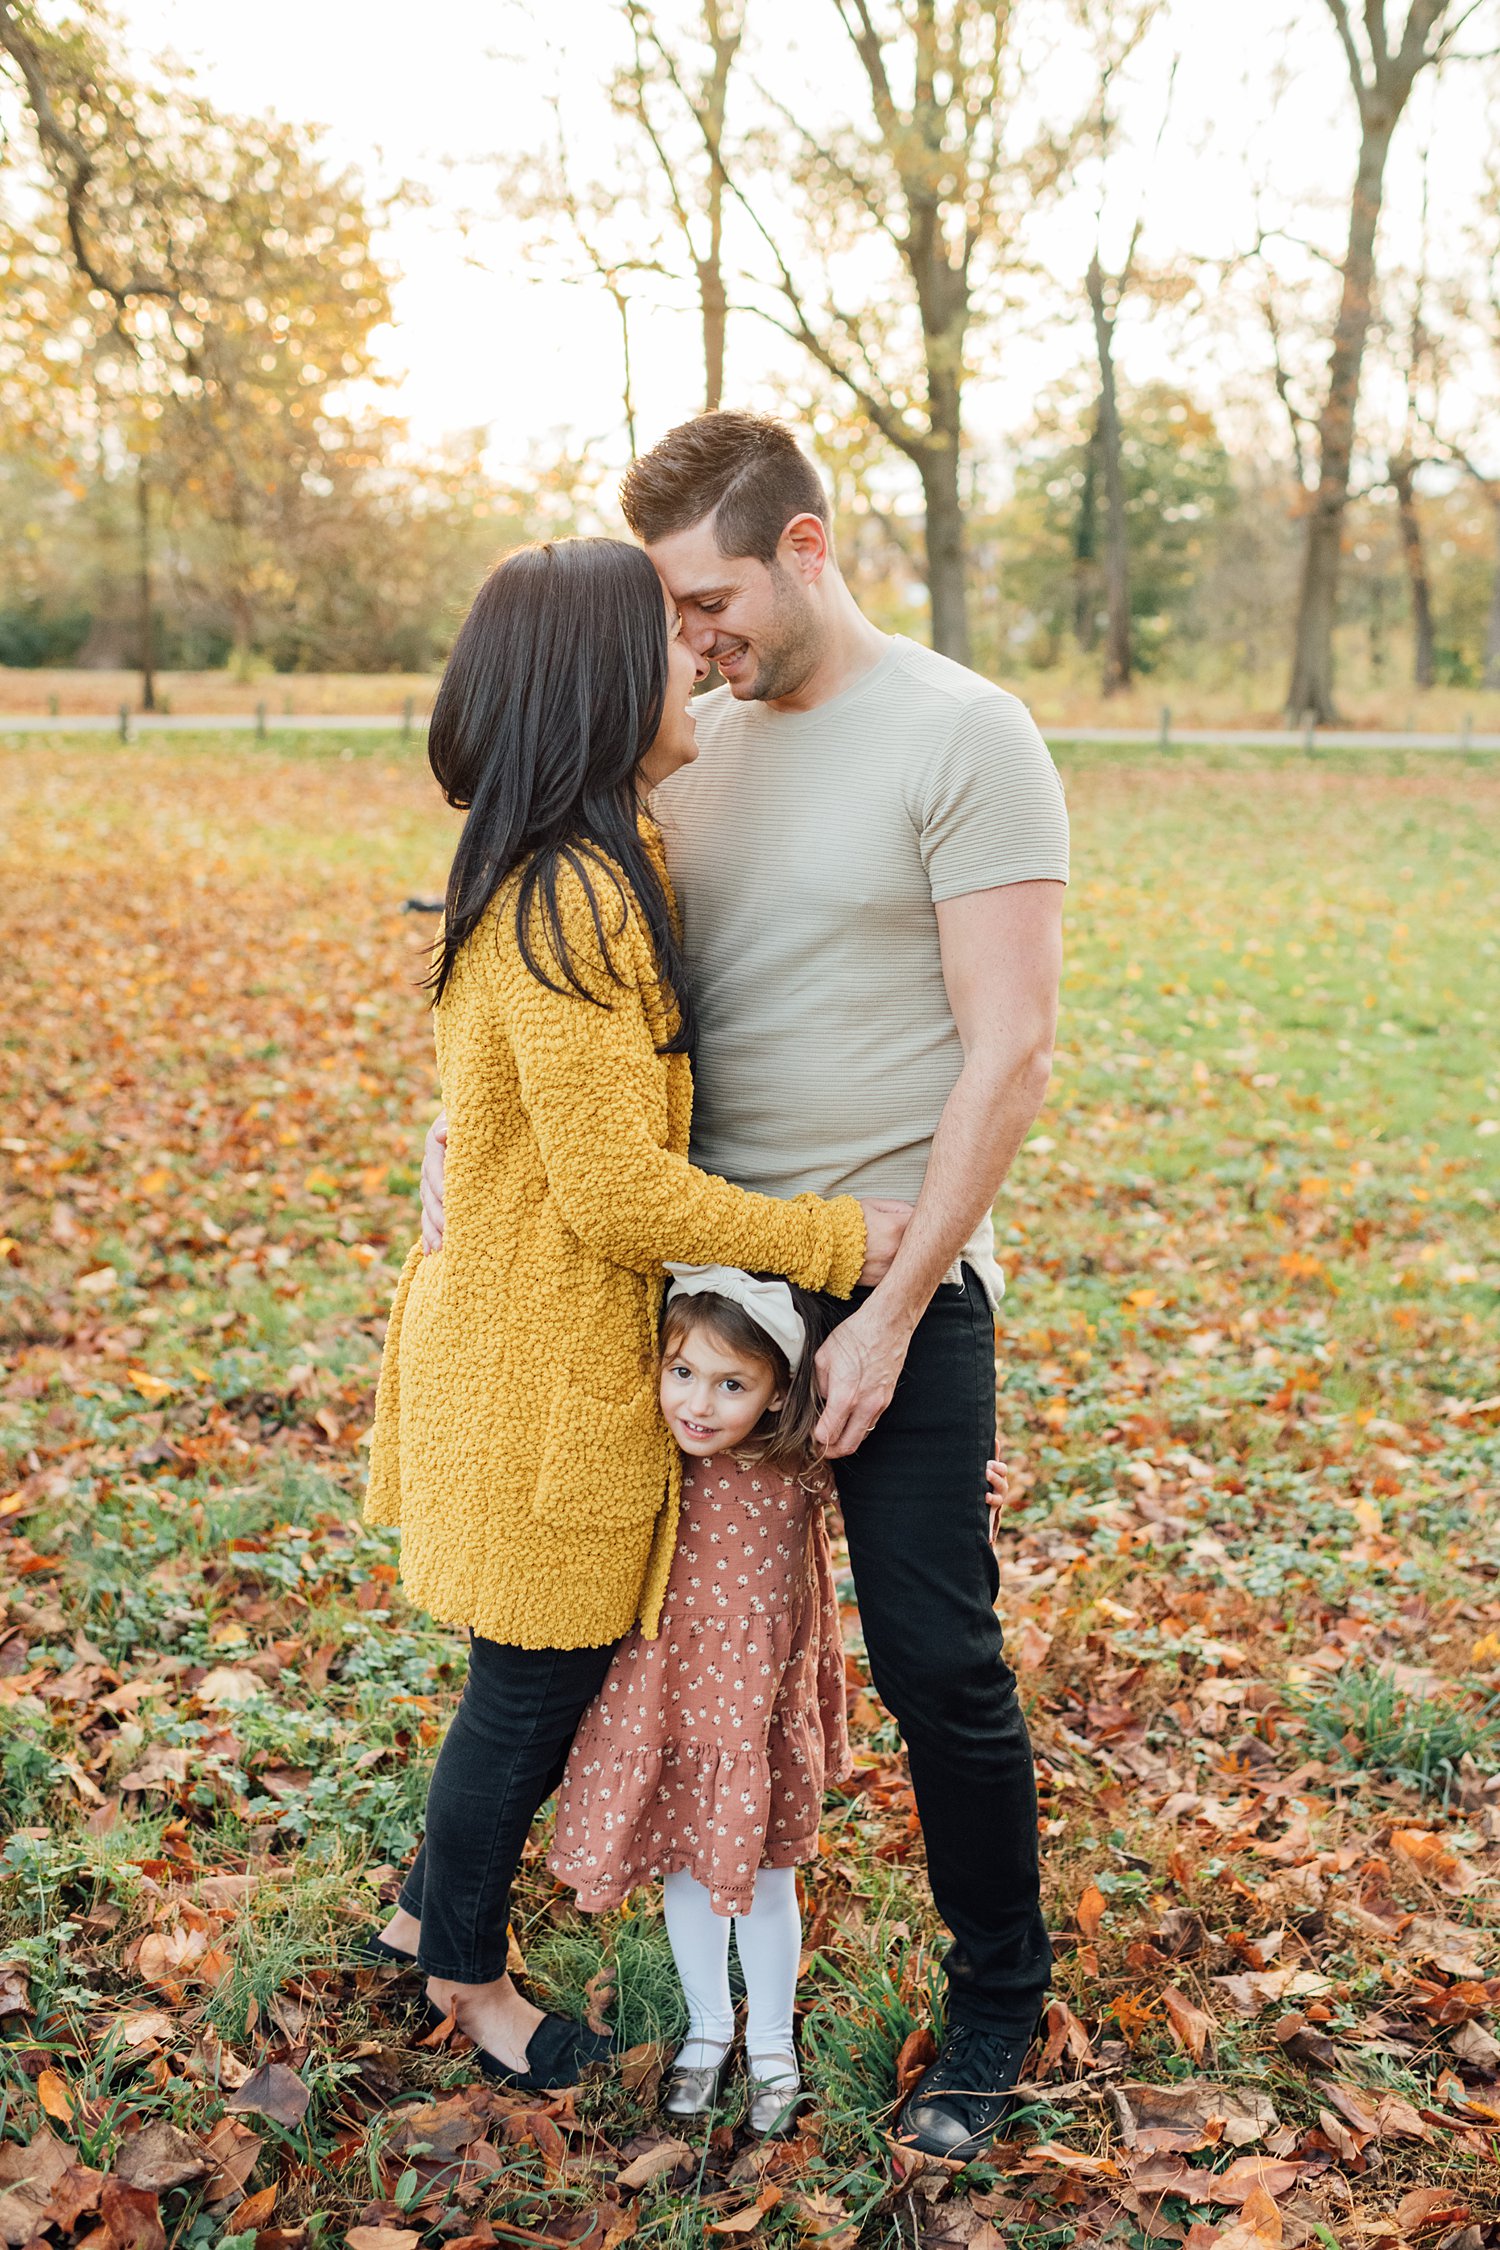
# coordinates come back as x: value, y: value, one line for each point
x: 803, y: 548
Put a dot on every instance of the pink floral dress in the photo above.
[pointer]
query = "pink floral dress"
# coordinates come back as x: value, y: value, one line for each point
x: 709, y: 1747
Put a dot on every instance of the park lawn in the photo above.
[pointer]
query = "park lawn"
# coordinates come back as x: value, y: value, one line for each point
x: 1251, y: 1570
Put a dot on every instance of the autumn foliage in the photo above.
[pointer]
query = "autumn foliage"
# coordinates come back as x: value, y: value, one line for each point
x: 1252, y: 1415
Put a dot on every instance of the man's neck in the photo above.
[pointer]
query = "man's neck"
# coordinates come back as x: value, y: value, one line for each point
x: 854, y: 647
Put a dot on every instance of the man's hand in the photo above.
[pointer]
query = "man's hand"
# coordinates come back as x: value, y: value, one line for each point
x: 886, y: 1222
x: 857, y: 1369
x: 434, y: 1157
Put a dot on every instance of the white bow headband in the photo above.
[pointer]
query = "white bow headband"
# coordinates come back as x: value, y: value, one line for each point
x: 769, y: 1303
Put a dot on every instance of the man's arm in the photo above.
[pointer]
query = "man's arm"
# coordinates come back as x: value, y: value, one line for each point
x: 1002, y: 958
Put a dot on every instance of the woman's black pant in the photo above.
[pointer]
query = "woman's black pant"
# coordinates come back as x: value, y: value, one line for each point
x: 501, y: 1760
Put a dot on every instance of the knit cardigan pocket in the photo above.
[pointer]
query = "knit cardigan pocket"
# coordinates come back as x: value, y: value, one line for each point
x: 604, y: 1461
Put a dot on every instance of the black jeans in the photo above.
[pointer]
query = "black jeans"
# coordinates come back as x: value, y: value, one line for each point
x: 501, y: 1759
x: 926, y: 1580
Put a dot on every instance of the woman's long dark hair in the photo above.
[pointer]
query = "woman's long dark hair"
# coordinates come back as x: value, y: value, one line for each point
x: 552, y: 696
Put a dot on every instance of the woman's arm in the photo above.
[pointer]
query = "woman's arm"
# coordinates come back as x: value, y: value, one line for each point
x: 589, y: 1080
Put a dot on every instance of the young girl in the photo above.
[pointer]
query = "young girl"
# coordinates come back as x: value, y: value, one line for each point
x: 704, y: 1757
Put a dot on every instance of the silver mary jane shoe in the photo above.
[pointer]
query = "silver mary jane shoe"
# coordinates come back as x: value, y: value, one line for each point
x: 693, y: 2090
x: 775, y: 2094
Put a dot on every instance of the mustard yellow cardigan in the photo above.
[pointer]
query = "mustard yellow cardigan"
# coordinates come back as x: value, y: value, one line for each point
x: 518, y: 1440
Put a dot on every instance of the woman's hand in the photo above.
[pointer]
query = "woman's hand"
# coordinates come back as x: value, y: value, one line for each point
x: 885, y: 1223
x: 997, y: 1494
x: 434, y: 1156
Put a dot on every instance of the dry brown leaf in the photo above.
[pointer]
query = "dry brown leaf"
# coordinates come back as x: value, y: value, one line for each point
x: 1426, y: 2210
x: 158, y: 2157
x: 1259, y: 2226
x: 233, y: 2150
x: 76, y: 2194
x: 663, y: 2156
x: 382, y: 2238
x: 1185, y: 2118
x: 272, y: 2091
x: 1192, y: 2027
x: 131, y: 2218
x: 15, y: 1992
x: 1065, y: 2035
x: 1055, y: 2155
x: 28, y: 2177
x: 142, y: 2027
x: 918, y: 2053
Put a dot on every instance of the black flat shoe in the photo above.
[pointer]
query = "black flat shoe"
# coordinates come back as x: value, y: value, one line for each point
x: 559, y: 2053
x: 962, y: 2099
x: 375, y: 1950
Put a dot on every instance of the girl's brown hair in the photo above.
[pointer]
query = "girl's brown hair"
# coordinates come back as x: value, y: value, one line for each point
x: 783, y: 1437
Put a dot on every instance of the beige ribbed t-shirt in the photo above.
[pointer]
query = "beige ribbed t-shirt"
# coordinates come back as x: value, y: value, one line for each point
x: 808, y: 850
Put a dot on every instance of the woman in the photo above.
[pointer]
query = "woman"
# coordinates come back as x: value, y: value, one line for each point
x: 518, y: 1439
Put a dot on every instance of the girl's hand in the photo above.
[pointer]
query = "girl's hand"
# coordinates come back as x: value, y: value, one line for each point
x: 997, y: 1494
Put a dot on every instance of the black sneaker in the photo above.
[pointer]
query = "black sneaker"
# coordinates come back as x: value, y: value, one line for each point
x: 961, y: 2101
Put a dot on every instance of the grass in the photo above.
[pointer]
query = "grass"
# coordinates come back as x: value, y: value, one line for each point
x: 1249, y: 1576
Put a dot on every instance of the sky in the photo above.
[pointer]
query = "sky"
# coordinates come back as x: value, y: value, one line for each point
x: 1260, y: 125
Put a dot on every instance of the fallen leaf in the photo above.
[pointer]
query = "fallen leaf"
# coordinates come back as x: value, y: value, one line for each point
x: 131, y: 2217
x: 1424, y: 2210
x: 28, y: 2176
x: 640, y: 2071
x: 1191, y: 2117
x: 228, y: 1686
x: 158, y: 2157
x: 1065, y: 2035
x: 254, y: 2211
x: 664, y: 2156
x: 99, y: 1283
x: 141, y: 2027
x: 382, y: 2238
x: 918, y: 2053
x: 233, y: 2150
x: 1072, y: 2160
x: 52, y: 2093
x: 272, y: 2091
x: 15, y: 1991
x: 1192, y: 2026
x: 1259, y: 2226
x: 1434, y: 1858
x: 75, y: 2195
x: 1091, y: 1911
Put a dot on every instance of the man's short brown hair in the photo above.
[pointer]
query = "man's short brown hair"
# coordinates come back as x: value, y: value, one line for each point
x: 747, y: 471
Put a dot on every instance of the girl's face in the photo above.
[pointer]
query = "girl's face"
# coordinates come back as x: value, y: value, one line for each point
x: 711, y: 1396
x: 676, y: 743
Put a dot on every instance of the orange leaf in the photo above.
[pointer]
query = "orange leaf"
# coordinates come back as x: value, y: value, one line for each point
x: 54, y: 2097
x: 255, y: 2210
x: 1091, y: 1911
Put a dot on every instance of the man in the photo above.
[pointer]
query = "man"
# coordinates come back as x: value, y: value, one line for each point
x: 869, y: 855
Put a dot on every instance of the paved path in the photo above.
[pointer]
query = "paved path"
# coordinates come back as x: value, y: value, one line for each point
x: 1183, y: 737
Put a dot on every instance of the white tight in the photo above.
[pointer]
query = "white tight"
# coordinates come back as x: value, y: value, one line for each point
x: 770, y: 1941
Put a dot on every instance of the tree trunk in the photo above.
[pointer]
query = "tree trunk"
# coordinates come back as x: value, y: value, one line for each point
x: 147, y: 607
x: 1492, y: 623
x: 724, y: 30
x: 714, y: 301
x: 946, y: 563
x: 1086, y: 549
x: 1117, y: 650
x: 1311, y: 685
x: 1424, y: 659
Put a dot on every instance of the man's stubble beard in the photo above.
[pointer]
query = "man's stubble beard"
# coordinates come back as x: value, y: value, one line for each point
x: 795, y: 645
